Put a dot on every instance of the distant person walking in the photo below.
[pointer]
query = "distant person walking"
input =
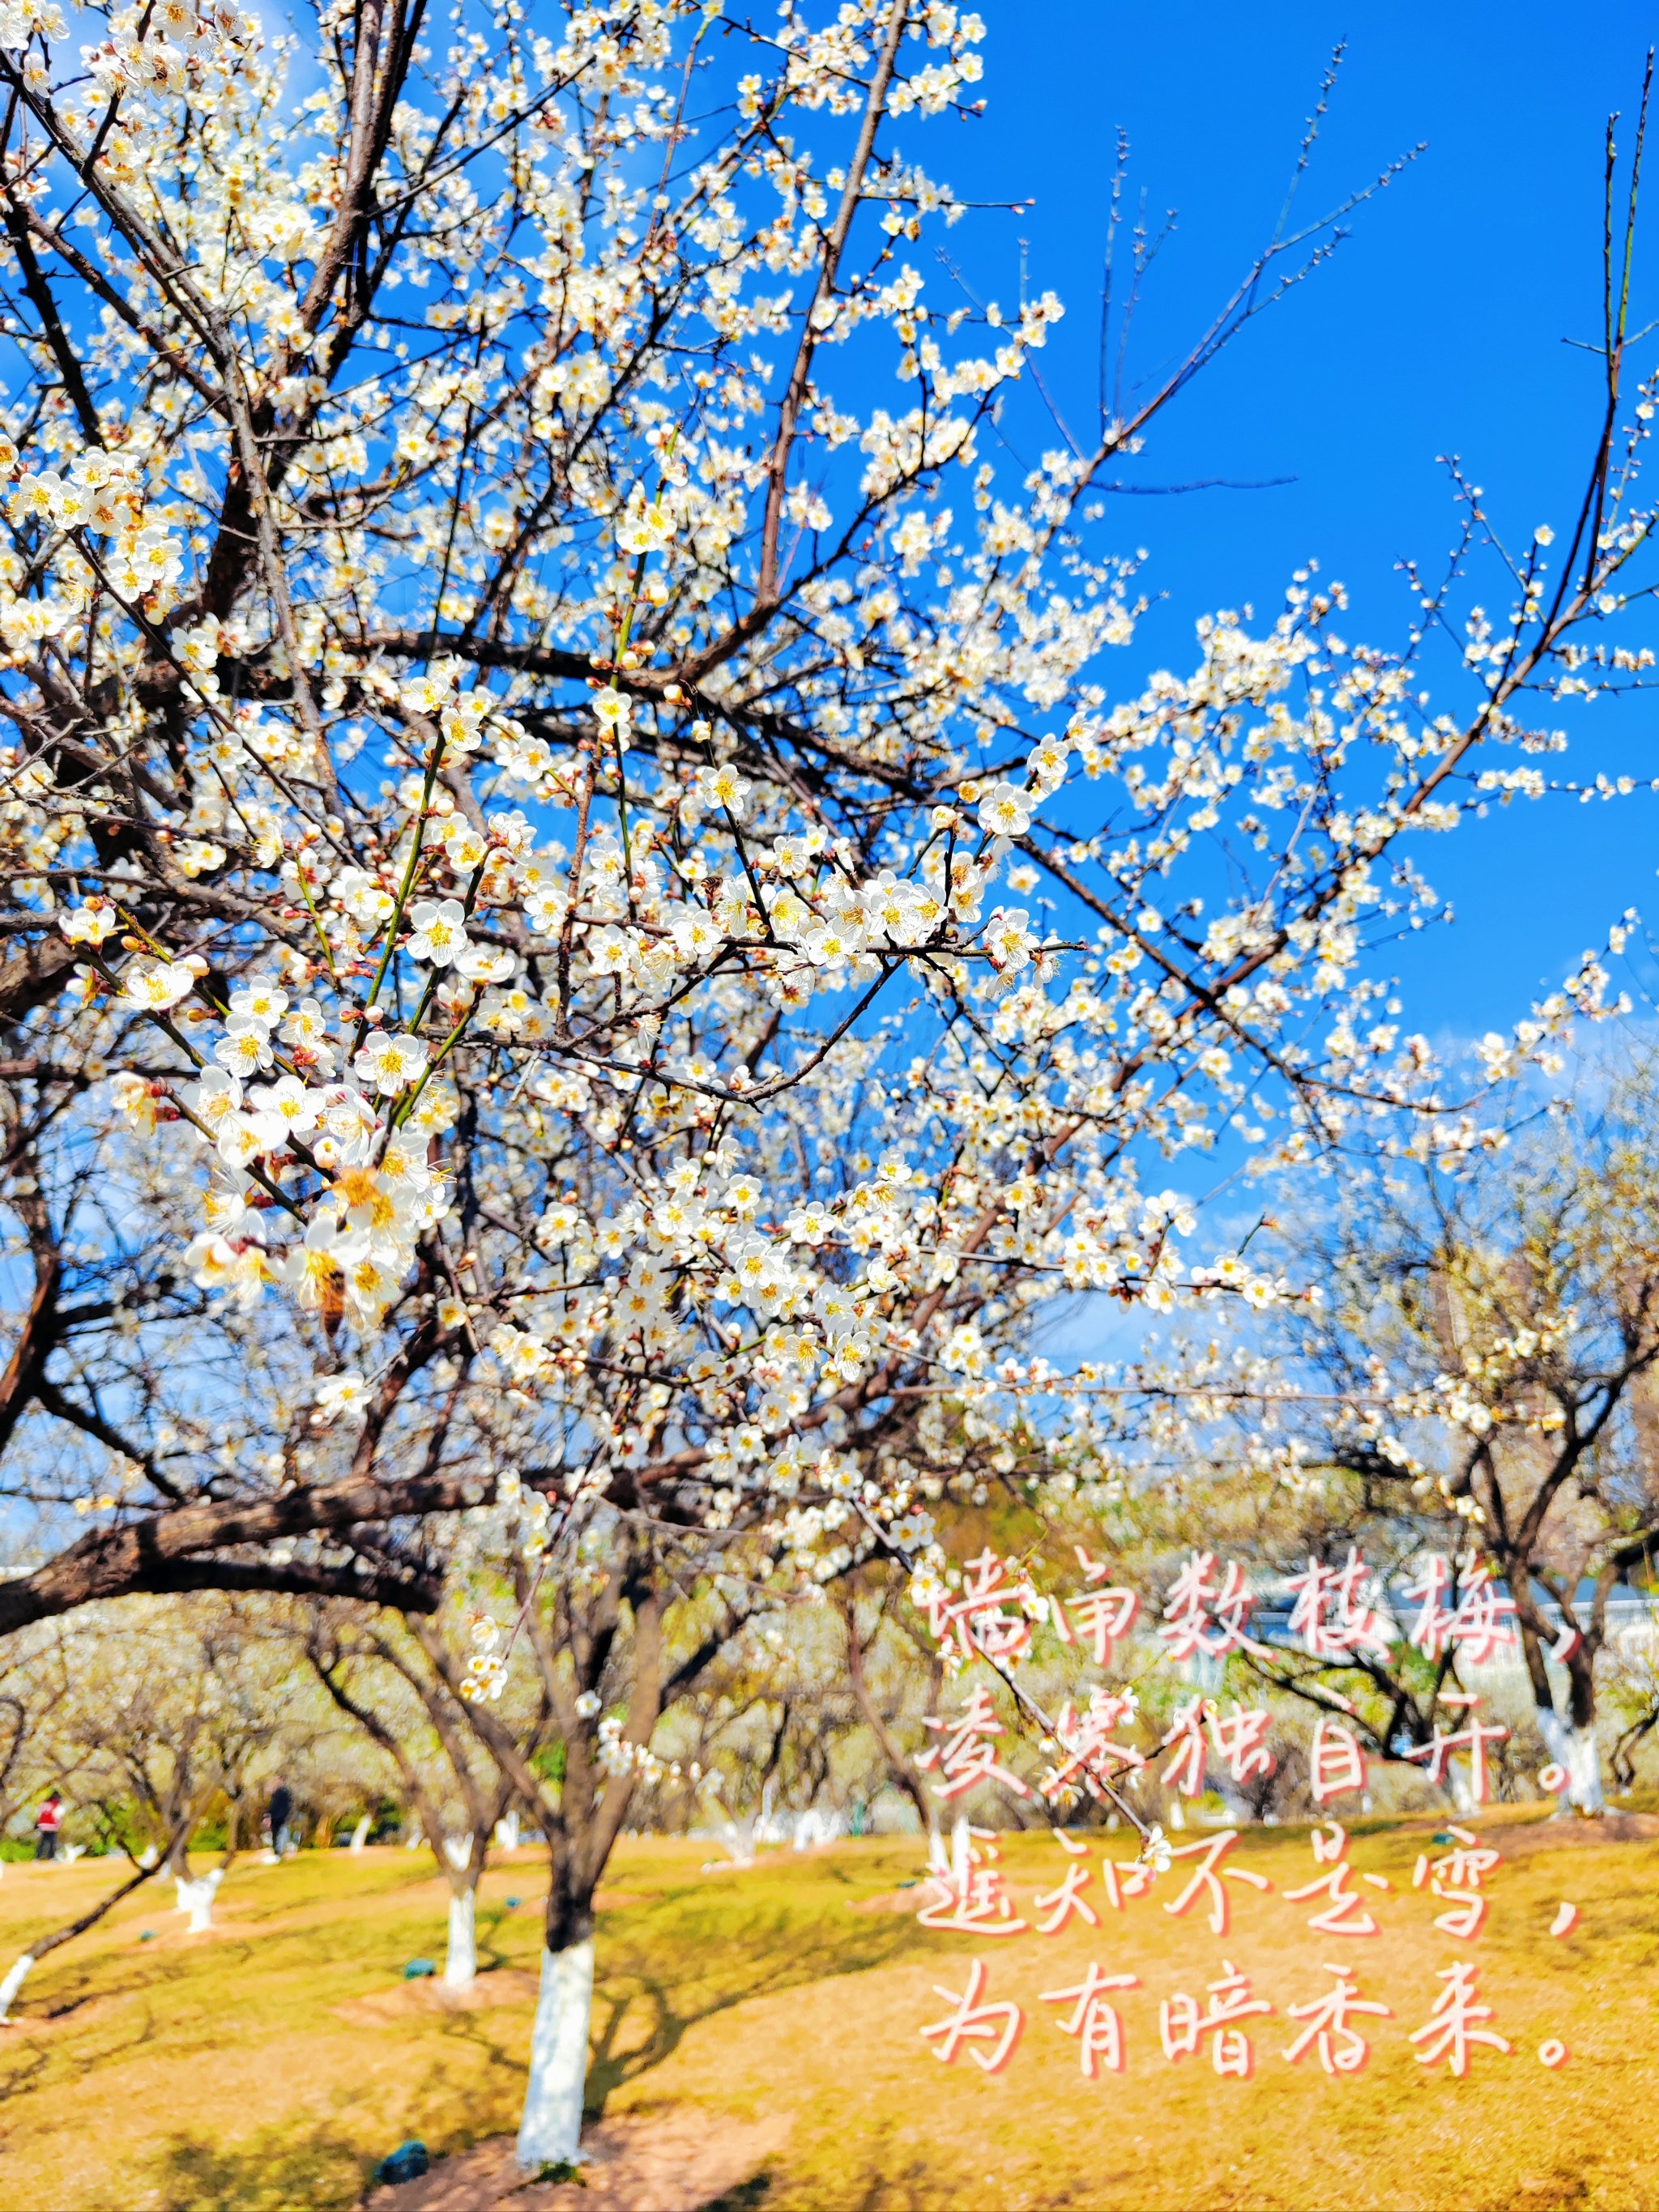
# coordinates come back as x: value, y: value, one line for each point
x: 47, y: 1821
x: 282, y: 1806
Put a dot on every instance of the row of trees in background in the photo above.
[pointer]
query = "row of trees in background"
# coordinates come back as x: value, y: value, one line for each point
x: 592, y: 948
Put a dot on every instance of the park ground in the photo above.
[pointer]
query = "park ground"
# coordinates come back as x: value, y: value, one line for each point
x: 756, y: 2032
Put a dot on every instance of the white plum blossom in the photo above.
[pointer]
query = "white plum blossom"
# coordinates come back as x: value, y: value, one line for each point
x: 723, y: 787
x: 391, y: 1062
x: 1005, y: 810
x: 157, y: 984
x: 439, y: 931
x: 345, y: 1392
x: 91, y: 923
x: 645, y: 526
x: 282, y: 1110
x: 1008, y: 939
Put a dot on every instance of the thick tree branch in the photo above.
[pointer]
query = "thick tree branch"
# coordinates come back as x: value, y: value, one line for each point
x: 151, y: 1554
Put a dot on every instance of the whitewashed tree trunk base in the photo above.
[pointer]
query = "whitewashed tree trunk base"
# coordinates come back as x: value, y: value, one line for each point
x: 461, y: 1959
x: 960, y: 1846
x: 15, y: 1977
x: 550, y: 2134
x: 196, y: 1897
x: 737, y: 1840
x: 1585, y: 1766
x: 1579, y: 1752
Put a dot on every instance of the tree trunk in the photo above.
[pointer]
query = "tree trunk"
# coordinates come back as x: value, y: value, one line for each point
x: 739, y: 1841
x: 461, y: 1959
x: 903, y: 1769
x: 961, y: 1849
x: 1570, y: 1737
x: 1574, y: 1747
x: 196, y: 1897
x: 551, y: 2132
x: 1457, y: 1786
x: 17, y: 1974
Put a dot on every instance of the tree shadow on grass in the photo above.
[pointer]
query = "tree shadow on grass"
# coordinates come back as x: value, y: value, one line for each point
x: 272, y: 2172
x: 323, y: 2169
x: 883, y: 2181
x: 500, y: 2050
x: 775, y: 1953
x: 26, y: 2063
x: 748, y: 2197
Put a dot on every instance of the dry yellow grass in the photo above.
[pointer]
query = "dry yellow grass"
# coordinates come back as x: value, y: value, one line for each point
x: 245, y: 2071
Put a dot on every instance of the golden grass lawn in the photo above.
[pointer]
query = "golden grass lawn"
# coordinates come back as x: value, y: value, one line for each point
x: 245, y: 2071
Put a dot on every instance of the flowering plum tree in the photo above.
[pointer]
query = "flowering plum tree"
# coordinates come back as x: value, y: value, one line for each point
x: 401, y: 1706
x: 611, y: 1643
x: 588, y: 829
x: 1488, y: 1346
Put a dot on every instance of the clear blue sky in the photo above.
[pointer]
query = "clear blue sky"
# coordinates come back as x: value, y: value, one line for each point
x: 1439, y: 327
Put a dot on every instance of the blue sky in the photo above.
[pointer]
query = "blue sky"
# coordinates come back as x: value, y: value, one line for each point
x: 1439, y: 327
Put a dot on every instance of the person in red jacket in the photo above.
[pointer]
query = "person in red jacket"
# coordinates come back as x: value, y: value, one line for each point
x: 47, y: 1821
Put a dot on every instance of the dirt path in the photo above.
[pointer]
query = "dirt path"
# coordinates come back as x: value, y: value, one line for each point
x: 678, y: 2161
x: 1551, y: 1835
